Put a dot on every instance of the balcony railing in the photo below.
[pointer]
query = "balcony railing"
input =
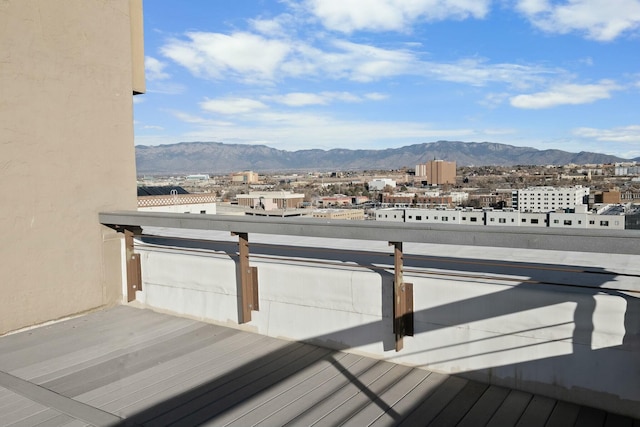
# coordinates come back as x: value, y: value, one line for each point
x: 553, y: 311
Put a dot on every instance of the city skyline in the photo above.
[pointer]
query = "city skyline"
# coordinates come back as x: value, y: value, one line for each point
x: 389, y: 73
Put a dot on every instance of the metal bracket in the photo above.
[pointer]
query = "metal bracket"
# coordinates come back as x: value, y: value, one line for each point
x: 402, y: 299
x: 248, y: 279
x: 134, y: 270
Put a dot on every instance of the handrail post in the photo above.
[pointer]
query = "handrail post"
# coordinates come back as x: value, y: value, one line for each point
x: 248, y: 279
x: 402, y: 299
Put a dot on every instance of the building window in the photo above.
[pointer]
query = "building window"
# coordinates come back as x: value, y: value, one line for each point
x: 492, y: 219
x: 502, y: 220
x: 474, y: 219
x: 534, y: 220
x: 592, y: 222
x: 464, y: 218
x: 567, y: 222
x: 524, y: 220
x: 604, y: 223
x: 203, y: 212
x: 418, y: 217
x: 445, y: 218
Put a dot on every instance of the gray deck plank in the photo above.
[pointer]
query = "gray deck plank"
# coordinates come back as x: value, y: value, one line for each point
x: 161, y: 385
x: 156, y: 368
x: 158, y: 377
x: 413, y: 397
x: 460, y: 405
x: 33, y: 419
x: 54, y: 368
x: 255, y: 381
x: 563, y: 414
x: 260, y: 358
x: 108, y: 371
x: 317, y: 394
x: 368, y: 396
x: 56, y: 401
x: 176, y: 388
x: 511, y: 410
x: 102, y: 320
x: 615, y: 420
x: 75, y: 338
x: 485, y: 407
x: 57, y: 421
x: 537, y: 412
x: 590, y: 417
x: 19, y: 413
x: 429, y: 408
x: 391, y: 397
x: 347, y: 389
x: 255, y: 409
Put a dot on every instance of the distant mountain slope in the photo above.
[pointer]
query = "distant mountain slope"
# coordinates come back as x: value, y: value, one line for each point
x: 216, y: 157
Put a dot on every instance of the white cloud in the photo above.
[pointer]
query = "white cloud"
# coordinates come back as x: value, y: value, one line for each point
x: 391, y: 15
x: 478, y: 72
x: 154, y: 69
x: 567, y: 94
x: 254, y: 59
x: 376, y: 96
x: 278, y: 26
x: 300, y: 99
x: 602, y: 20
x: 301, y: 130
x: 249, y: 57
x: 618, y: 134
x: 232, y: 105
x: 493, y: 100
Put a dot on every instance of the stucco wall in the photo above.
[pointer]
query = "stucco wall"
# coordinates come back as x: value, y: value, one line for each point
x: 509, y: 322
x: 66, y: 153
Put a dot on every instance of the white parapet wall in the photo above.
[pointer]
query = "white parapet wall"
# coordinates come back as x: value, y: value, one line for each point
x: 563, y: 324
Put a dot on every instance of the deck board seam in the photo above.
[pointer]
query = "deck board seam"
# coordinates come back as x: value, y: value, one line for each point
x: 55, y: 401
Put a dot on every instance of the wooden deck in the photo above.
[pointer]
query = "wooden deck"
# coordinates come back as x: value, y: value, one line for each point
x: 128, y: 366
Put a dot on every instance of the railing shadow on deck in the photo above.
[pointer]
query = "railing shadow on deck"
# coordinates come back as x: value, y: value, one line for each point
x: 210, y: 400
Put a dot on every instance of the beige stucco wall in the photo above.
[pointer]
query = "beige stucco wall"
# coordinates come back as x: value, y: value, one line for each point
x: 66, y: 153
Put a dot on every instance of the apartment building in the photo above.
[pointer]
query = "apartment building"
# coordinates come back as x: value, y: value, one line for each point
x: 547, y: 199
x: 69, y: 69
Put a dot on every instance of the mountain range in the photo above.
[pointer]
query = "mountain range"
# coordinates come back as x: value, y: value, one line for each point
x: 218, y: 158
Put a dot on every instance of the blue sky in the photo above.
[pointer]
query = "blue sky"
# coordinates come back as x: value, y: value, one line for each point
x: 374, y: 74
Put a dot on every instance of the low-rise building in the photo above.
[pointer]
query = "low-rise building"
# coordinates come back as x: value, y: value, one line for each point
x: 379, y: 184
x: 504, y: 218
x: 269, y: 200
x: 175, y: 200
x: 347, y: 214
x: 246, y: 177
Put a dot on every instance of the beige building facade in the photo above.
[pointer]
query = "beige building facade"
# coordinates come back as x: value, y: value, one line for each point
x: 69, y: 69
x: 437, y: 172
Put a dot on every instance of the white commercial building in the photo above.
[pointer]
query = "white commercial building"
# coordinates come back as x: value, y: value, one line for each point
x: 504, y: 218
x: 379, y: 184
x: 549, y: 199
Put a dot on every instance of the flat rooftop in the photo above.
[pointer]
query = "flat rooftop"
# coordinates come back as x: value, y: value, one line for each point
x: 131, y: 366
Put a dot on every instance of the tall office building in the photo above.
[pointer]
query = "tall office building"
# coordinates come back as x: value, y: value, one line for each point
x: 437, y: 172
